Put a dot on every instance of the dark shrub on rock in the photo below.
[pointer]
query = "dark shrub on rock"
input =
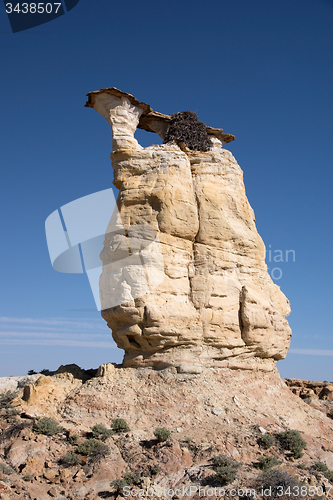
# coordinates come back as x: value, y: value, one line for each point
x: 225, y: 470
x: 266, y: 441
x: 319, y: 466
x: 47, y: 426
x: 101, y: 432
x: 128, y: 479
x: 70, y: 459
x: 185, y: 127
x: 6, y: 469
x: 120, y: 425
x: 161, y: 434
x: 265, y: 463
x: 291, y: 440
x: 278, y: 481
x: 94, y: 449
x: 6, y: 403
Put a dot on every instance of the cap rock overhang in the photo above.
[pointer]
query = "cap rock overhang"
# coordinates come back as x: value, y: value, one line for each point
x: 150, y: 120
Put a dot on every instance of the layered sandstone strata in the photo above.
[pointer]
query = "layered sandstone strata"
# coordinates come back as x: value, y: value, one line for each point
x: 184, y: 279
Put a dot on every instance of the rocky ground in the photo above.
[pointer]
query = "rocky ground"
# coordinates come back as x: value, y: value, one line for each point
x: 218, y: 413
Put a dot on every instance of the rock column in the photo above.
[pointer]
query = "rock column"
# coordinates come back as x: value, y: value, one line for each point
x: 194, y: 290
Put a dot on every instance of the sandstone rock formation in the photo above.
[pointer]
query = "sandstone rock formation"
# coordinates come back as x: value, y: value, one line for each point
x: 311, y: 389
x: 184, y: 279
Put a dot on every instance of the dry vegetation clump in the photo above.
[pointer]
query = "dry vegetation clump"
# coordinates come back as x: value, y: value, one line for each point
x: 266, y: 441
x: 70, y: 459
x: 185, y: 127
x: 291, y: 440
x: 225, y: 470
x: 162, y: 434
x: 8, y: 410
x: 94, y: 449
x: 120, y: 425
x: 265, y: 463
x: 128, y: 479
x: 99, y: 431
x: 279, y: 482
x: 6, y: 469
x: 321, y: 467
x: 47, y: 426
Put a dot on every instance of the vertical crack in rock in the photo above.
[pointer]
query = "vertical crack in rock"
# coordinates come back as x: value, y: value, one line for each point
x: 240, y: 312
x: 192, y: 270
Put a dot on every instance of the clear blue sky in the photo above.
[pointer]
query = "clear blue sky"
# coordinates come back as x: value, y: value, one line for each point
x: 261, y: 70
